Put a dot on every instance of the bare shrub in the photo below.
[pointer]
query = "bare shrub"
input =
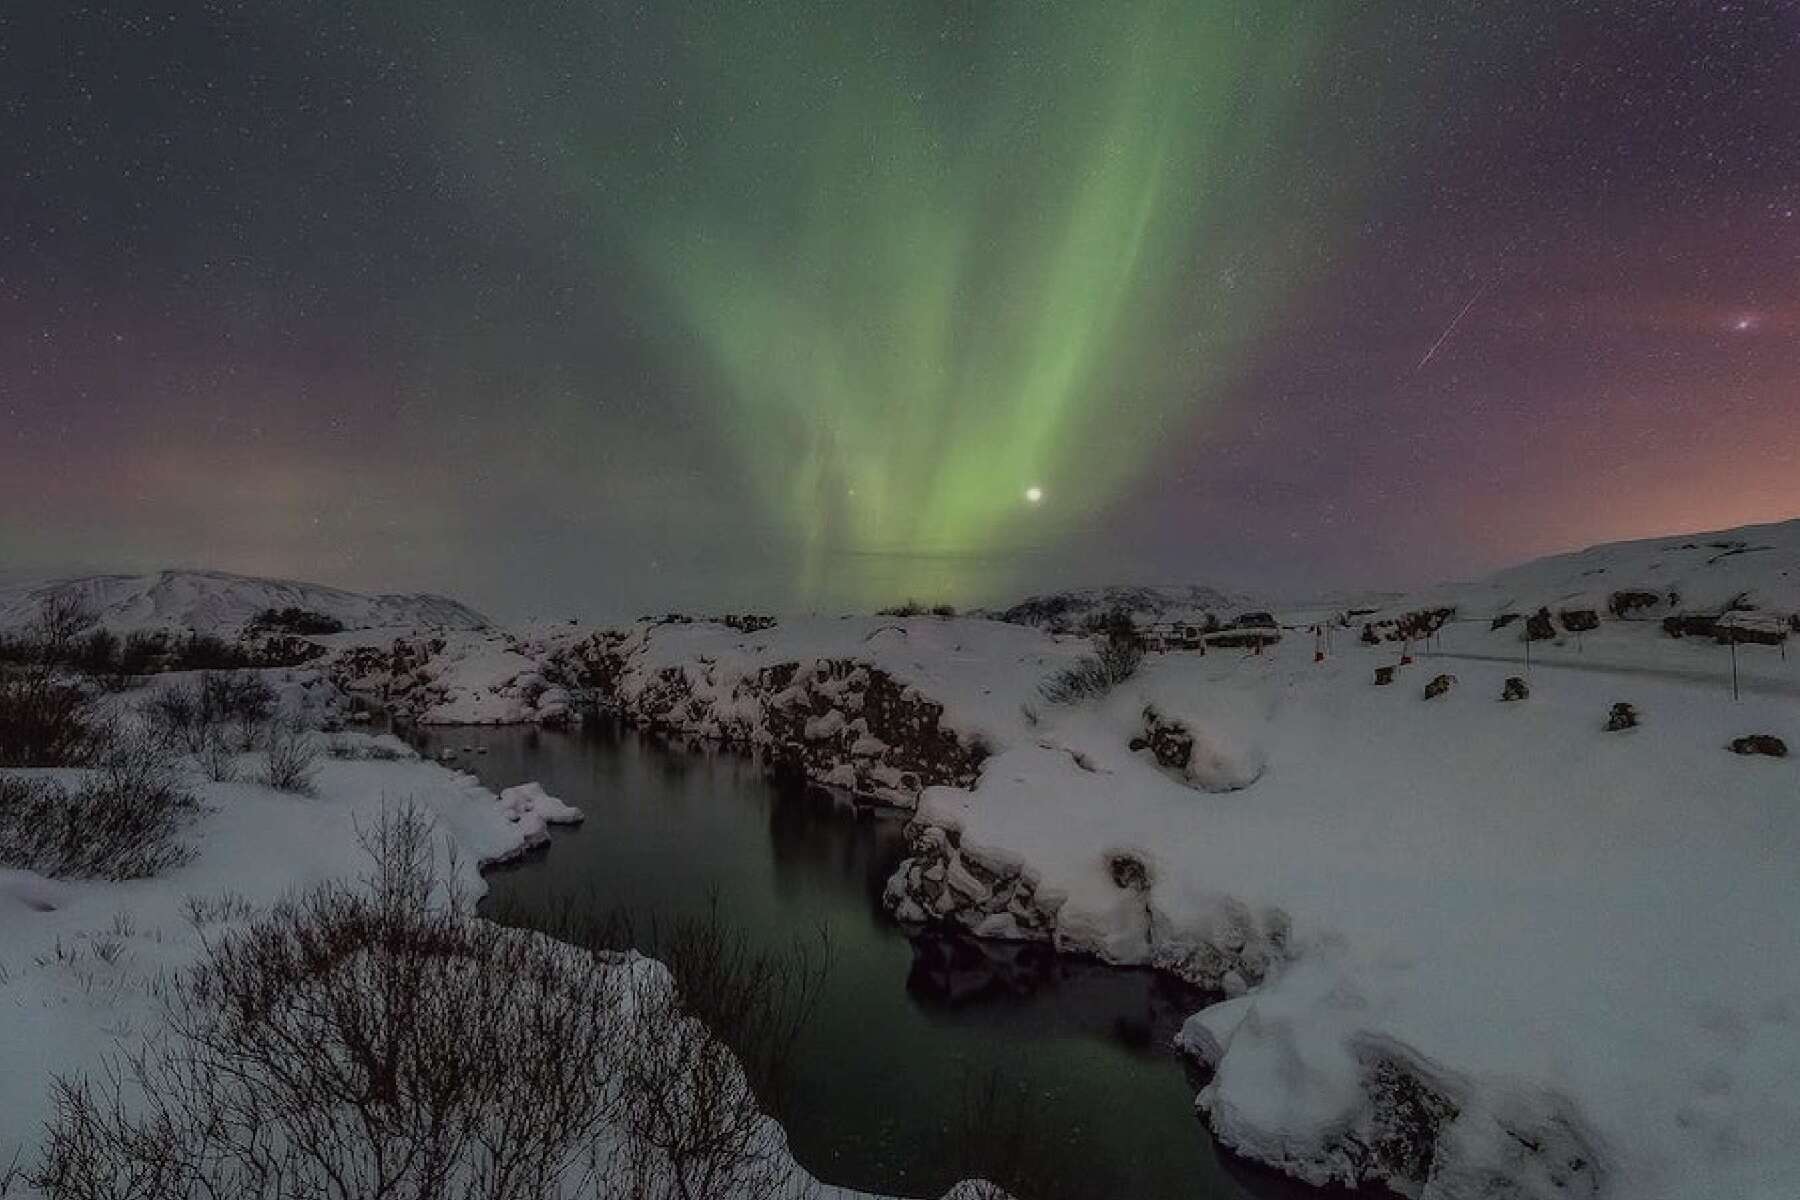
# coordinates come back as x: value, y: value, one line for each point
x: 61, y: 618
x: 1094, y: 675
x: 367, y: 1042
x: 218, y: 760
x: 993, y: 1137
x: 121, y: 822
x: 708, y: 1056
x: 358, y: 1043
x: 45, y: 720
x: 197, y: 713
x: 141, y: 653
x: 290, y: 760
x: 361, y: 748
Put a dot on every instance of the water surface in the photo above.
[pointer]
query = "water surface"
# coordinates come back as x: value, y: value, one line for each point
x: 907, y: 1029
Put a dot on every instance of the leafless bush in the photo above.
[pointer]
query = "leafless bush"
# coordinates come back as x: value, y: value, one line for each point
x: 993, y: 1137
x: 197, y: 713
x: 365, y: 1042
x: 709, y: 1054
x: 354, y: 1044
x: 290, y: 760
x: 61, y: 618
x: 218, y: 759
x: 357, y: 748
x: 1094, y: 675
x: 45, y: 720
x: 123, y: 821
x: 713, y: 1051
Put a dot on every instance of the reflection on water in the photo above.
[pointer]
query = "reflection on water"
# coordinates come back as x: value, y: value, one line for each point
x: 1094, y: 1104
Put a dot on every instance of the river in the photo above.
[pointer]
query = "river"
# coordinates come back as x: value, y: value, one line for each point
x: 906, y: 1029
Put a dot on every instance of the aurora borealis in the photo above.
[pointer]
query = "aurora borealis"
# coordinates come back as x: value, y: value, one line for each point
x: 600, y: 307
x: 926, y: 287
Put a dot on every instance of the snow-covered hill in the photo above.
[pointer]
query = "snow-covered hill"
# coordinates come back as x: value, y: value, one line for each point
x: 1752, y: 568
x: 1074, y: 610
x: 218, y: 603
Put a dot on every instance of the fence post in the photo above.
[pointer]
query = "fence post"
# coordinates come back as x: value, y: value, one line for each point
x: 1734, y: 679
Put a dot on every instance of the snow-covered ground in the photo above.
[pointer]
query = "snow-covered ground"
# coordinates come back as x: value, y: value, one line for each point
x: 1471, y: 947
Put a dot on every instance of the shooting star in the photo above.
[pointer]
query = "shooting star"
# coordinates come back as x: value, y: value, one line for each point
x: 1451, y: 328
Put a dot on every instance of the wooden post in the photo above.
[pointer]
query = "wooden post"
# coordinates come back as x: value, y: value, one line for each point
x: 1734, y: 679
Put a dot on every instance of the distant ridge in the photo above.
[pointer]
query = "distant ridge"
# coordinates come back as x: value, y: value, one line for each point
x: 1072, y: 609
x: 1750, y: 568
x: 219, y: 603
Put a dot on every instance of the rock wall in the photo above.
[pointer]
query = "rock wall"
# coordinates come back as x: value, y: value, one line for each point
x: 838, y: 722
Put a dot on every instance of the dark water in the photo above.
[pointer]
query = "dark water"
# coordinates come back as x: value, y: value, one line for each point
x: 906, y: 1030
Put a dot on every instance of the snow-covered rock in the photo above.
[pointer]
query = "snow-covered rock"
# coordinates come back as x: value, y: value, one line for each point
x: 534, y: 810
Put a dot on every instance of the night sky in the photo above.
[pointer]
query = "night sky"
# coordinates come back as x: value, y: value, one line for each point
x: 596, y: 308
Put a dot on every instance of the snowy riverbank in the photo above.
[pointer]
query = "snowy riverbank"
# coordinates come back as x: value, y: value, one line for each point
x: 86, y: 965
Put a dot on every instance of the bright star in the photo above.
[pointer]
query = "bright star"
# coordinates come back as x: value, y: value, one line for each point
x: 1033, y: 495
x: 1744, y: 324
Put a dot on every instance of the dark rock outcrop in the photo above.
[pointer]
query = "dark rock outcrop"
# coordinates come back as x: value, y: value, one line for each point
x: 1128, y: 871
x: 1439, y: 685
x: 1384, y: 676
x: 1623, y: 716
x: 1579, y: 620
x: 1623, y: 604
x: 1413, y: 626
x: 1515, y: 688
x: 1760, y: 743
x: 1539, y: 627
x: 1170, y: 741
x: 1691, y: 625
x: 835, y: 721
x: 1759, y: 634
x: 398, y: 677
x: 944, y: 884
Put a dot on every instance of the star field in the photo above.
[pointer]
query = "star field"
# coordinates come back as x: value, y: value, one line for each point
x: 598, y: 307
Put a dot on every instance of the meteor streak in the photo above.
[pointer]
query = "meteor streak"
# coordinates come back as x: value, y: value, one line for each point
x: 1451, y: 328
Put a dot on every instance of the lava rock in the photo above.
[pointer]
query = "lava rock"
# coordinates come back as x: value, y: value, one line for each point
x: 1579, y: 620
x: 1170, y: 741
x: 1760, y: 743
x: 1439, y: 686
x: 1764, y: 634
x: 1128, y: 871
x: 1622, y: 604
x: 1690, y: 625
x: 1623, y: 716
x: 1515, y: 689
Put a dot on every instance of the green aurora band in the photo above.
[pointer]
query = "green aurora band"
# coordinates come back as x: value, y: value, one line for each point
x: 934, y: 255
